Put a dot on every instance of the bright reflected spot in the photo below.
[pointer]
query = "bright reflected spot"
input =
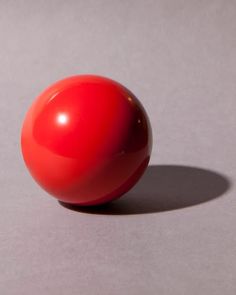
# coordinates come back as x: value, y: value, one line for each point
x: 130, y: 99
x: 62, y: 118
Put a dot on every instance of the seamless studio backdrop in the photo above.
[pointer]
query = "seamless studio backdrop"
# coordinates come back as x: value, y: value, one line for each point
x: 174, y: 233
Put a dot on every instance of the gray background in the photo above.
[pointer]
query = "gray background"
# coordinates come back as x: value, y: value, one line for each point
x: 175, y: 233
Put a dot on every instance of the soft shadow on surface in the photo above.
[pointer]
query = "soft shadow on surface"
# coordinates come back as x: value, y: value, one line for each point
x: 164, y: 188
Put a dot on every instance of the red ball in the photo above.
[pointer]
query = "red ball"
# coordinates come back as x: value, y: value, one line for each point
x: 86, y: 140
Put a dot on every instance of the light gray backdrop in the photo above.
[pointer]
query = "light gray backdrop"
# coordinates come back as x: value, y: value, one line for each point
x: 175, y: 233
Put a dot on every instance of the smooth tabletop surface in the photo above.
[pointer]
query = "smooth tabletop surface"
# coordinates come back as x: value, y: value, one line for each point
x: 175, y: 232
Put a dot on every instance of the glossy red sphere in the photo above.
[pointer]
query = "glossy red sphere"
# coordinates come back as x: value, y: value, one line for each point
x: 86, y: 140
